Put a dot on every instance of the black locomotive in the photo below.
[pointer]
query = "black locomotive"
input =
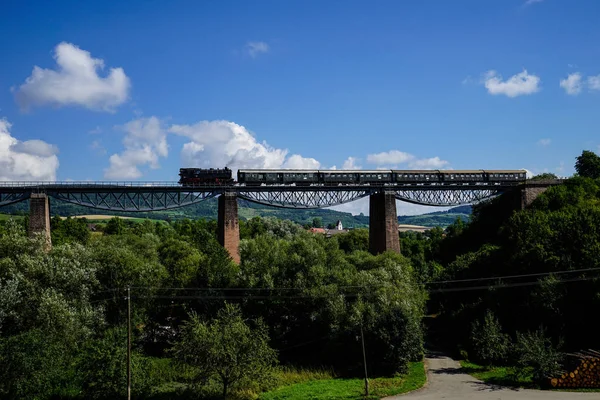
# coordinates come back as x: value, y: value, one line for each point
x: 201, y: 176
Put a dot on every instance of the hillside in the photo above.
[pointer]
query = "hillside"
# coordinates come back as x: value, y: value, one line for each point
x: 208, y: 209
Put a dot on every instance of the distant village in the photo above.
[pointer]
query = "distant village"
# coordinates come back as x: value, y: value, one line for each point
x: 338, y: 229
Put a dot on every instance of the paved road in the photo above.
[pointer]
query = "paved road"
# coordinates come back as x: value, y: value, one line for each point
x: 446, y: 381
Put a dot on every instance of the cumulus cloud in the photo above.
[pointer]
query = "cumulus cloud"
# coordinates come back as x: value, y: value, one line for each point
x: 256, y: 48
x: 594, y: 82
x: 389, y: 157
x: 520, y: 84
x: 351, y: 163
x: 25, y: 161
x: 395, y: 157
x: 225, y: 143
x: 572, y: 84
x: 96, y: 146
x: 428, y: 163
x: 145, y: 141
x: 544, y: 142
x: 75, y: 81
x: 298, y: 162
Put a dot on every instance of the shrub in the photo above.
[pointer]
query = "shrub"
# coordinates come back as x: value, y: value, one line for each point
x: 227, y: 350
x: 534, y: 349
x: 490, y: 345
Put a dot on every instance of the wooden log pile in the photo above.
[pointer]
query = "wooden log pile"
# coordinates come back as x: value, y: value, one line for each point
x: 584, y: 371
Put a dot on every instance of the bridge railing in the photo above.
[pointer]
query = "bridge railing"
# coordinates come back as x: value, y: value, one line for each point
x: 28, y: 184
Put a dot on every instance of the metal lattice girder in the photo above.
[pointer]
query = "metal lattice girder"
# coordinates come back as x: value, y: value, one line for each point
x: 299, y: 198
x: 12, y: 197
x: 133, y: 201
x: 446, y: 197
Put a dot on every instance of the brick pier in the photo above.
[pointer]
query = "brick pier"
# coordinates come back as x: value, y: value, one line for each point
x: 229, y: 227
x: 39, y: 217
x: 383, y: 223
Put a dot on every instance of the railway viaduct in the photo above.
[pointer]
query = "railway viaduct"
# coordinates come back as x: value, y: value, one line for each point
x: 155, y: 196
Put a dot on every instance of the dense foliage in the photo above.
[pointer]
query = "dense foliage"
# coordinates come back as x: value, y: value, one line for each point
x: 554, y: 245
x: 63, y: 313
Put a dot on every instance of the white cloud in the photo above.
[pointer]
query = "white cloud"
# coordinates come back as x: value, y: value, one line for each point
x: 531, y: 2
x: 517, y: 85
x: 594, y: 82
x: 298, y: 162
x: 256, y: 48
x: 389, y: 157
x: 145, y: 141
x: 225, y: 143
x: 428, y: 163
x: 544, y: 142
x: 96, y: 145
x: 572, y: 84
x: 74, y: 82
x: 25, y: 161
x: 395, y: 157
x: 95, y: 131
x: 351, y: 163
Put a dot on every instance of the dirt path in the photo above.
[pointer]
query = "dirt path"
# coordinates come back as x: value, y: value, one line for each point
x: 446, y: 381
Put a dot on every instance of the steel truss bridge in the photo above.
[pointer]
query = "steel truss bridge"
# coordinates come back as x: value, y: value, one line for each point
x: 156, y: 196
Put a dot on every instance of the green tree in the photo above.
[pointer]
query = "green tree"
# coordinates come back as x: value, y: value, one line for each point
x: 356, y: 239
x: 115, y: 226
x: 544, y: 176
x: 227, y: 348
x: 317, y: 222
x: 103, y: 366
x: 588, y: 165
x: 491, y: 345
x: 69, y: 230
x: 535, y: 349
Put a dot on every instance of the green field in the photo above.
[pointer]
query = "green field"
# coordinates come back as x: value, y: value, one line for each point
x: 350, y: 389
x: 6, y: 217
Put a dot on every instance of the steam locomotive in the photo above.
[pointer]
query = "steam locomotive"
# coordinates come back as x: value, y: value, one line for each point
x: 202, y: 176
x: 257, y: 177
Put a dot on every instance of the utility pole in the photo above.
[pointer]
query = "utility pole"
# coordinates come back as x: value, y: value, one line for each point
x: 128, y: 343
x: 362, y: 338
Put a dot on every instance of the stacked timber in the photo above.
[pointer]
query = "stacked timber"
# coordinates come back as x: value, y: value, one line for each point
x: 584, y: 371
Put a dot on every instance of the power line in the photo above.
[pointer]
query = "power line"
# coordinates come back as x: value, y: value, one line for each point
x: 353, y: 295
x: 515, y: 276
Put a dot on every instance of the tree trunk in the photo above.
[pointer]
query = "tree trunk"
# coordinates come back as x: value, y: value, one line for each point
x: 224, y: 390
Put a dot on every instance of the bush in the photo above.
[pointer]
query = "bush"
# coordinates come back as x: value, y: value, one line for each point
x: 103, y: 368
x: 490, y: 345
x: 534, y: 349
x: 227, y: 350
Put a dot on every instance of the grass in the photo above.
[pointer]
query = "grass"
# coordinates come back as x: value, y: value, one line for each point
x: 504, y: 376
x: 350, y: 389
x: 510, y: 376
x: 6, y: 217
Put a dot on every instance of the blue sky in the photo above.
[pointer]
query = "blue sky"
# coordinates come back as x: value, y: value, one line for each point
x: 134, y: 90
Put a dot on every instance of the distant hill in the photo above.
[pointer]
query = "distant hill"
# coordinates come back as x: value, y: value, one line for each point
x: 437, y: 218
x: 208, y: 209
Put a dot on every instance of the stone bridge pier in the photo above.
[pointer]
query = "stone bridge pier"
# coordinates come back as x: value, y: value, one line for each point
x: 383, y: 223
x: 39, y: 217
x: 531, y: 190
x: 228, y: 223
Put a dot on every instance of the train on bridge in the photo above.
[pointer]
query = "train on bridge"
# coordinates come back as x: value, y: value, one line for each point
x: 258, y: 177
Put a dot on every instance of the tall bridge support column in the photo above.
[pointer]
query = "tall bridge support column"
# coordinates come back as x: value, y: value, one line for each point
x: 383, y: 223
x: 39, y: 218
x: 229, y: 227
